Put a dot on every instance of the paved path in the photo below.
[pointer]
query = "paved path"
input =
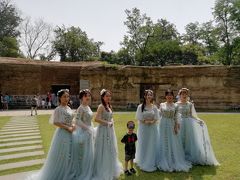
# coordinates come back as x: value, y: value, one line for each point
x: 20, y: 138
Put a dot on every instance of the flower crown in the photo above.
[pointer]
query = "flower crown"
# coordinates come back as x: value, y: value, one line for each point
x: 61, y: 90
x: 103, y: 91
x: 85, y: 91
x: 148, y: 90
x: 183, y: 89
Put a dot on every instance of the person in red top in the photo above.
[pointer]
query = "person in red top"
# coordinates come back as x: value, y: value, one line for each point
x: 129, y: 140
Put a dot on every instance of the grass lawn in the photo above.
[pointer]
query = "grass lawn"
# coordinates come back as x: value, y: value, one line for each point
x: 4, y: 120
x: 224, y: 130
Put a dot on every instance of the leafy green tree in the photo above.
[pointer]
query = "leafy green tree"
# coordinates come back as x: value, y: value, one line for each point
x: 192, y: 34
x: 139, y: 32
x: 9, y: 22
x: 9, y: 47
x: 227, y: 31
x: 73, y: 44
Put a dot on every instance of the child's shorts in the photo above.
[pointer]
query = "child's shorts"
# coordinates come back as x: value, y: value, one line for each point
x: 129, y: 157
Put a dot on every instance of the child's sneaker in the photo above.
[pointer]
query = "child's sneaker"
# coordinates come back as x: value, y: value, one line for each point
x: 127, y: 173
x: 133, y: 170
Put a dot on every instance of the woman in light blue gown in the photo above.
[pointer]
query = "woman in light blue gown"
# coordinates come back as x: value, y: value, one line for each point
x: 194, y: 133
x: 148, y: 118
x: 58, y: 160
x: 171, y: 153
x: 82, y: 149
x: 106, y: 163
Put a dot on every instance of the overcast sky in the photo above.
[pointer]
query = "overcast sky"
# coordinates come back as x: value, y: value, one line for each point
x: 103, y: 19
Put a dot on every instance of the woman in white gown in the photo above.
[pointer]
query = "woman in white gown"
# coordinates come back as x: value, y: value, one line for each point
x: 83, y: 136
x: 106, y: 163
x: 194, y: 133
x: 171, y: 153
x: 57, y: 163
x: 148, y: 136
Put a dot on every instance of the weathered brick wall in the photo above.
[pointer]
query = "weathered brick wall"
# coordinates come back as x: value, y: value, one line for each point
x: 212, y: 87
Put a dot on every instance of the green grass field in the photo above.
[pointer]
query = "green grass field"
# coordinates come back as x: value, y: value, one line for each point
x: 224, y: 130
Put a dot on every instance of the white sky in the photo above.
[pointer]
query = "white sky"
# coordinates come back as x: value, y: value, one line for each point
x: 103, y: 19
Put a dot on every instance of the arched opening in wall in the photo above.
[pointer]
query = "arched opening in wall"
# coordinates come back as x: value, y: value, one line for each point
x: 56, y: 87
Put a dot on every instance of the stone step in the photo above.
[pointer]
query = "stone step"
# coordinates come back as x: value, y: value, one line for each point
x: 21, y: 143
x: 21, y: 155
x: 19, y: 139
x: 18, y: 129
x: 21, y: 164
x: 19, y: 124
x: 14, y: 127
x: 18, y: 135
x: 18, y: 176
x: 15, y: 149
x: 19, y: 132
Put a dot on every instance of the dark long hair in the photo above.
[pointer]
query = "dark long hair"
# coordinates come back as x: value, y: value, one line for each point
x: 84, y: 92
x: 169, y: 91
x: 104, y: 103
x: 144, y: 98
x: 60, y: 93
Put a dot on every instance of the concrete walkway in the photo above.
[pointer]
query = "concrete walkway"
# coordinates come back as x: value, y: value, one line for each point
x: 20, y: 138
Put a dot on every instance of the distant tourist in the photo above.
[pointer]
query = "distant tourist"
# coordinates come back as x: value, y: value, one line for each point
x: 34, y: 105
x: 43, y: 103
x: 1, y: 101
x: 6, y: 100
x: 39, y: 99
x: 49, y: 105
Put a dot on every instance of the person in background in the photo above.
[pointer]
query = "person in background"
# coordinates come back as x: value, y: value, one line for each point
x: 34, y: 105
x: 6, y: 100
x: 1, y: 101
x: 43, y: 102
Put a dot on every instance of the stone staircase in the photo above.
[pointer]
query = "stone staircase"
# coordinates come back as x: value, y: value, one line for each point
x: 20, y: 139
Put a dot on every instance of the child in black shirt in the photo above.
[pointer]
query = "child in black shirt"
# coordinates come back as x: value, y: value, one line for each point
x: 130, y: 149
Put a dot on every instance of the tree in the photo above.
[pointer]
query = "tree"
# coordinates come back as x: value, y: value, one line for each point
x: 163, y: 52
x: 164, y: 45
x: 9, y: 21
x: 9, y: 47
x: 192, y: 33
x: 235, y: 14
x: 223, y: 17
x: 139, y: 32
x: 208, y: 36
x: 73, y: 44
x: 35, y: 38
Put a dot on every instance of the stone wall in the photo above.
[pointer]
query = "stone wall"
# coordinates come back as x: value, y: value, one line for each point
x: 212, y: 87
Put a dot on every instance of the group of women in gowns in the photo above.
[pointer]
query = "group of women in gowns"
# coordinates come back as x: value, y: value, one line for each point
x: 78, y: 150
x: 170, y: 138
x: 175, y: 139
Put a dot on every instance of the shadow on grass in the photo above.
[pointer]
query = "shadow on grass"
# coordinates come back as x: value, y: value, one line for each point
x: 196, y: 173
